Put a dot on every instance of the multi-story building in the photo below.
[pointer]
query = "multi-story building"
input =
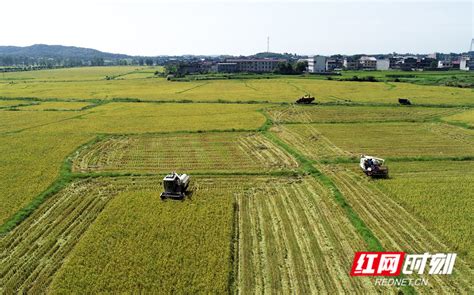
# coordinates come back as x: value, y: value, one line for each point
x: 396, y: 62
x: 254, y: 65
x: 445, y: 64
x: 427, y: 63
x: 467, y: 62
x: 333, y: 64
x: 317, y: 64
x: 227, y: 67
x: 351, y: 64
x: 368, y: 62
x: 409, y: 63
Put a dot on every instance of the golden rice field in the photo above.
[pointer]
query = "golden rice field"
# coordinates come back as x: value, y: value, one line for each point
x: 142, y: 244
x: 32, y: 253
x: 338, y: 114
x: 56, y: 106
x: 277, y: 202
x: 398, y: 227
x: 223, y: 152
x: 13, y: 103
x: 399, y: 139
x: 466, y: 117
x: 73, y: 74
x: 30, y: 162
x: 139, y: 117
x: 138, y: 83
x: 165, y: 117
x: 428, y: 188
x: 33, y: 145
x: 441, y: 185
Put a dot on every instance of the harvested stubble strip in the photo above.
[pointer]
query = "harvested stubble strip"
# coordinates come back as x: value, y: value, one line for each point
x: 215, y: 151
x: 397, y: 229
x: 295, y: 238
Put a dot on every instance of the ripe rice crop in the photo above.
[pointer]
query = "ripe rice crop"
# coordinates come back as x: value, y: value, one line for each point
x: 56, y: 106
x: 70, y: 74
x: 217, y: 152
x: 166, y: 117
x: 274, y: 90
x: 29, y: 163
x: 32, y: 253
x: 15, y: 121
x: 441, y: 185
x: 399, y: 228
x: 5, y: 104
x: 33, y: 145
x: 157, y: 246
x: 466, y: 117
x: 329, y: 114
x: 323, y: 141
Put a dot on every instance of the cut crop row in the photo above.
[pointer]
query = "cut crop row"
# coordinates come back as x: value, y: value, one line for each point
x: 216, y: 151
x: 34, y: 250
x: 293, y: 238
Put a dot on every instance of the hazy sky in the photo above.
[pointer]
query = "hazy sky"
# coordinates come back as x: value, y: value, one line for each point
x: 146, y: 27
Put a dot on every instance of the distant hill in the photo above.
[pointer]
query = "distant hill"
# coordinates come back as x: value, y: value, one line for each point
x: 57, y: 51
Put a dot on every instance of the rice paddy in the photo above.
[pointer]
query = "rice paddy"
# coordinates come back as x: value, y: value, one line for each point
x: 277, y: 203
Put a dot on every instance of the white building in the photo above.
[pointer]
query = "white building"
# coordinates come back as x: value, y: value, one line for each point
x: 442, y: 64
x: 466, y: 64
x: 368, y: 62
x: 382, y: 64
x: 317, y: 64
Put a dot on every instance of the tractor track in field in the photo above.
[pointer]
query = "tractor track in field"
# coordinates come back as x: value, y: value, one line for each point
x: 295, y: 239
x: 397, y: 229
x: 313, y: 141
x: 244, y: 151
x: 33, y: 252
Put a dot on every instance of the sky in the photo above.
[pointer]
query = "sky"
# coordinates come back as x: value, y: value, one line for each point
x: 150, y: 27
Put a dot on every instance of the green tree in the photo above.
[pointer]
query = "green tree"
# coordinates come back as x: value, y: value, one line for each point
x: 301, y: 66
x: 284, y: 68
x: 149, y: 62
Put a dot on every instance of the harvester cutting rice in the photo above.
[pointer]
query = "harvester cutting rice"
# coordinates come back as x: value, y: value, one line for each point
x: 373, y: 167
x: 175, y: 186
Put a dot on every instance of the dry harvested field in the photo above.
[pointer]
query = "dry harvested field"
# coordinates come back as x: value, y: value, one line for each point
x: 223, y: 152
x: 387, y: 140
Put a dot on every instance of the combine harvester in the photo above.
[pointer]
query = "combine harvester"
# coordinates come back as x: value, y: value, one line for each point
x: 175, y: 186
x: 373, y: 167
x: 306, y: 99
